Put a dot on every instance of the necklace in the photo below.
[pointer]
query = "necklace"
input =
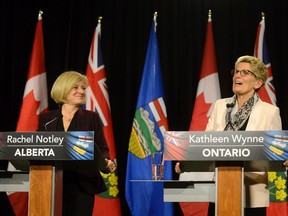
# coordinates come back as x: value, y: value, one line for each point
x: 68, y: 115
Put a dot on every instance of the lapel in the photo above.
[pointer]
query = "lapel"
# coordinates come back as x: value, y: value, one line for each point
x: 81, y: 120
x: 255, y: 116
x: 52, y: 126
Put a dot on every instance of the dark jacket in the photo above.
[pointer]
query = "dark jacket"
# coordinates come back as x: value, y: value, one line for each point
x: 89, y: 179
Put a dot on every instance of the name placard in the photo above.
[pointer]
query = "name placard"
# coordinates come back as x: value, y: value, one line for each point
x: 74, y: 145
x: 226, y: 145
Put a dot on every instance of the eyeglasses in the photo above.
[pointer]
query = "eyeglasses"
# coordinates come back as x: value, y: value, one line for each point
x: 242, y: 72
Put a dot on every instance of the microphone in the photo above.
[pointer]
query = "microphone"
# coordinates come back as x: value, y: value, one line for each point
x: 49, y: 122
x: 230, y: 105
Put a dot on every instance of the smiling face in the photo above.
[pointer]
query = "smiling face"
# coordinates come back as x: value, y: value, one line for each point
x: 77, y: 95
x: 245, y: 85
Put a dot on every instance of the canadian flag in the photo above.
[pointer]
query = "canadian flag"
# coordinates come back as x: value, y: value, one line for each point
x: 35, y: 101
x: 208, y: 92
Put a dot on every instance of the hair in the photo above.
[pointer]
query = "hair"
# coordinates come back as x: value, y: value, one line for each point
x: 64, y: 84
x: 257, y: 67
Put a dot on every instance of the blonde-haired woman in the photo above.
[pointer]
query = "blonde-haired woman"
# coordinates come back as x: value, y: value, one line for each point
x: 79, y: 186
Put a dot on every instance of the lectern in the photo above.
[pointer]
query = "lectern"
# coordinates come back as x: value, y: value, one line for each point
x: 233, y: 153
x: 42, y: 156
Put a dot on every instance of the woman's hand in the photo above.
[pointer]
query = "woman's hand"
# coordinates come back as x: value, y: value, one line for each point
x: 286, y: 163
x: 111, y: 165
x: 177, y: 168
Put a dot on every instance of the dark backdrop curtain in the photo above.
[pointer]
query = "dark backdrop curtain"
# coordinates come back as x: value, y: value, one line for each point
x: 68, y: 26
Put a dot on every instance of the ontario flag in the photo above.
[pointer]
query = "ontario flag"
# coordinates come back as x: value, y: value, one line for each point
x: 35, y: 102
x: 108, y: 202
x: 144, y: 196
x: 267, y: 93
x: 208, y: 92
x: 277, y: 181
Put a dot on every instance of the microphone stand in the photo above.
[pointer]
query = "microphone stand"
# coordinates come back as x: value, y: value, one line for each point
x: 49, y: 122
x: 229, y: 109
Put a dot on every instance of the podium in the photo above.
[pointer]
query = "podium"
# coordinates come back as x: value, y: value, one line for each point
x: 41, y: 157
x: 232, y: 153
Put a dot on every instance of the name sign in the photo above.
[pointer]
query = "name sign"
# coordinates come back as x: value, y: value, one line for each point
x: 226, y: 145
x: 74, y: 145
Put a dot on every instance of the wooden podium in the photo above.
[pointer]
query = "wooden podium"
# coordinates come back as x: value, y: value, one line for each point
x: 42, y: 156
x: 229, y: 178
x: 232, y: 153
x: 41, y: 192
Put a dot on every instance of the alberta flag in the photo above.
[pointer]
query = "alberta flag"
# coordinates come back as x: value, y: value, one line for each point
x: 108, y: 202
x: 144, y: 196
x: 277, y: 181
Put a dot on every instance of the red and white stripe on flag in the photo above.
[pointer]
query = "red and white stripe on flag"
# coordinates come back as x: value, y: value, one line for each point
x: 159, y: 112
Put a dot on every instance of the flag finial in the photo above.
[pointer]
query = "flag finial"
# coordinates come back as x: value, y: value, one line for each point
x: 155, y: 16
x: 209, y: 14
x: 40, y: 15
x: 155, y: 19
x: 263, y: 15
x: 99, y: 19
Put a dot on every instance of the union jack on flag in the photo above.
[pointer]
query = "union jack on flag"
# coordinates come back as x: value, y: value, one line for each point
x: 97, y: 91
x: 266, y: 93
x: 97, y: 80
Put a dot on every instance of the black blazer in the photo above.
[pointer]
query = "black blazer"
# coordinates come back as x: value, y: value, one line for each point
x: 91, y: 181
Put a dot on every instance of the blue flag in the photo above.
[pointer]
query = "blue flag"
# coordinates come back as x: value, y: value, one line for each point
x: 144, y: 196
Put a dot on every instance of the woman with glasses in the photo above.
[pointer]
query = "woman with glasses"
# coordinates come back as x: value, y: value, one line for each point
x: 245, y: 111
